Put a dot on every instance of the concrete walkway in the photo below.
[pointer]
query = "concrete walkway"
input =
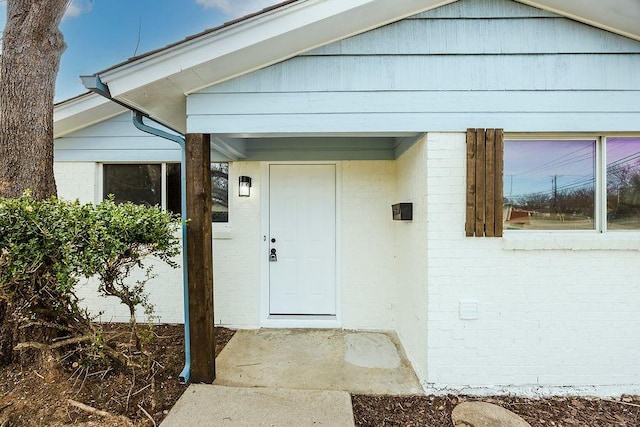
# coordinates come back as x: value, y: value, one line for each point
x: 211, y: 405
x: 295, y: 377
x: 317, y: 359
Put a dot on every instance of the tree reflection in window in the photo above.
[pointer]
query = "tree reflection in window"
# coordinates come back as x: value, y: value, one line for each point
x: 143, y: 183
x: 137, y: 183
x: 220, y: 192
x: 623, y: 183
x: 549, y: 185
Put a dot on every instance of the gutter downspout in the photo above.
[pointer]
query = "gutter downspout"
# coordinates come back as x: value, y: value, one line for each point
x: 179, y: 139
x: 94, y: 84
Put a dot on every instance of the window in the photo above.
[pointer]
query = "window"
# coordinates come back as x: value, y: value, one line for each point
x: 159, y: 184
x: 558, y: 184
x: 623, y: 183
x: 220, y: 191
x: 141, y: 184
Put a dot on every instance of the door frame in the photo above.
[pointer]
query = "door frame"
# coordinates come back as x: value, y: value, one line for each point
x: 268, y: 320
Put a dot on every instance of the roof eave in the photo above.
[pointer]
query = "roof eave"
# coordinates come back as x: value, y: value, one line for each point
x: 82, y: 111
x: 157, y: 83
x: 596, y: 13
x: 246, y: 46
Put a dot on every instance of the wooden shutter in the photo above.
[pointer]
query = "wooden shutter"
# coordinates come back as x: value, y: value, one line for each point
x: 485, y: 148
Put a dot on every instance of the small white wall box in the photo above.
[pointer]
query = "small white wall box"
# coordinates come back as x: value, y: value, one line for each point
x: 469, y: 309
x: 402, y: 211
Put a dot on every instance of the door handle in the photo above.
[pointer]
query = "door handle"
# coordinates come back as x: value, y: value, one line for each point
x: 273, y: 257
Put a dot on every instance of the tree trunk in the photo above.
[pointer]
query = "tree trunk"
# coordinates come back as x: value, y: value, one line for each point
x: 31, y: 48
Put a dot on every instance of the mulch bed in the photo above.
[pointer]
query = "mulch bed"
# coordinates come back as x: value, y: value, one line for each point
x: 32, y: 398
x: 556, y: 411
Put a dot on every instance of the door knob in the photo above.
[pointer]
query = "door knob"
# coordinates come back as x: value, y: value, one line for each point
x: 273, y: 257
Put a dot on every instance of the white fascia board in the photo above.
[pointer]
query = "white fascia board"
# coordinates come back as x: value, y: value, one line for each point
x: 617, y: 16
x: 85, y: 110
x: 353, y: 17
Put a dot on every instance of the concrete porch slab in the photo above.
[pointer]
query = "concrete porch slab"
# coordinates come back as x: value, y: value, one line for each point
x: 212, y: 405
x: 317, y: 359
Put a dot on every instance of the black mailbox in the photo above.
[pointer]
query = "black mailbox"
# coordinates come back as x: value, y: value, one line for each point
x: 402, y: 211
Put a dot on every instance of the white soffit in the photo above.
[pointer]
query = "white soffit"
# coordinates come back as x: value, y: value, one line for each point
x: 82, y: 111
x: 618, y: 16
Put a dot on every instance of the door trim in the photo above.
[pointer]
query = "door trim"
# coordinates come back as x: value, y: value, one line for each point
x: 296, y: 321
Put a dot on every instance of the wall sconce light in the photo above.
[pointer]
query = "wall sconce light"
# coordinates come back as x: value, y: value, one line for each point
x: 244, y: 186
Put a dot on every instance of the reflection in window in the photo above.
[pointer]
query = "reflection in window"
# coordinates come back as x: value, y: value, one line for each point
x: 220, y: 192
x: 139, y: 184
x: 143, y: 183
x: 174, y: 189
x: 549, y: 185
x: 623, y: 183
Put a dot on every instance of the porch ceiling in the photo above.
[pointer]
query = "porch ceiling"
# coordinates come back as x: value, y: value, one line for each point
x: 313, y: 148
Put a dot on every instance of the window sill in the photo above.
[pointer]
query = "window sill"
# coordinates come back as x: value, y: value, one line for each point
x: 579, y: 241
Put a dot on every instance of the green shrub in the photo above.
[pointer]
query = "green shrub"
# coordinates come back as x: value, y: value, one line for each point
x: 47, y: 246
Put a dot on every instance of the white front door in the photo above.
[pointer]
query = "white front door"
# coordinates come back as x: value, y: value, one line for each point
x: 302, y: 236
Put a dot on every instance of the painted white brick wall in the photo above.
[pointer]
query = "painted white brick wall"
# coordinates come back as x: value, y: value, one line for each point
x: 368, y: 245
x: 236, y: 250
x: 165, y: 294
x: 551, y: 320
x: 76, y: 180
x: 557, y: 312
x: 237, y: 260
x: 411, y: 257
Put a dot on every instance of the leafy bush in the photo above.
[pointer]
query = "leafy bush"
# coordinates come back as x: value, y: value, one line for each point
x: 47, y: 246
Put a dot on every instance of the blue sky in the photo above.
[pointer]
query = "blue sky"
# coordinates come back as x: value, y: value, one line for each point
x: 101, y: 33
x: 530, y: 166
x: 534, y: 166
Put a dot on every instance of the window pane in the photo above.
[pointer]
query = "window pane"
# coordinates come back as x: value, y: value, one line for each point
x: 549, y: 185
x: 174, y: 190
x: 139, y: 184
x: 220, y: 191
x: 623, y: 183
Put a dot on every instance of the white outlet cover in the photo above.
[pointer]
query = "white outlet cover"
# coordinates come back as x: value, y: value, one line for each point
x: 469, y: 309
